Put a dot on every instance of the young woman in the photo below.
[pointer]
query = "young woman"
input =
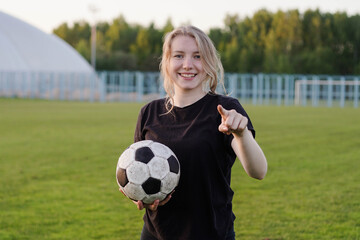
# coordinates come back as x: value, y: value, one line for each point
x: 207, y: 132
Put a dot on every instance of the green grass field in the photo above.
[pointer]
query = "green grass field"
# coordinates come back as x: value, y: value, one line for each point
x: 58, y: 160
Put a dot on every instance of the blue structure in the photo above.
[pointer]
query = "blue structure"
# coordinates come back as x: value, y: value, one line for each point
x: 23, y: 47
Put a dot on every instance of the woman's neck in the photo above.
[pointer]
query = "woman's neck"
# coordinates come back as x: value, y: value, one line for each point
x: 183, y: 99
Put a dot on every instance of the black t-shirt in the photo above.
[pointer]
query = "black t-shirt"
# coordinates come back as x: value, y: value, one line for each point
x: 200, y: 207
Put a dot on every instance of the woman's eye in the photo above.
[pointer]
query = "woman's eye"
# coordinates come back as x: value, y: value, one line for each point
x: 197, y: 57
x: 178, y: 56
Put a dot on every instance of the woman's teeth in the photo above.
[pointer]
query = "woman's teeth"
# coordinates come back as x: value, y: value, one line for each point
x: 187, y: 75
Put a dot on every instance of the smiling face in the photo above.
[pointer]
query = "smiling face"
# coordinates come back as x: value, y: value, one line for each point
x: 185, y: 67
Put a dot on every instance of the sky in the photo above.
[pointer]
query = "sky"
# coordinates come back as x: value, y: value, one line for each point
x: 205, y: 14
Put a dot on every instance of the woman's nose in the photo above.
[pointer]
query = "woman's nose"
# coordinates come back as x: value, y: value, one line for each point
x: 187, y: 64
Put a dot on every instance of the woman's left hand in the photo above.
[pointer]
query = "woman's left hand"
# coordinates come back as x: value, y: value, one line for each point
x: 153, y: 206
x: 232, y: 121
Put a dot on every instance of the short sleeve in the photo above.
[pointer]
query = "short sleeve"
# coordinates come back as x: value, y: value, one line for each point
x: 138, y: 135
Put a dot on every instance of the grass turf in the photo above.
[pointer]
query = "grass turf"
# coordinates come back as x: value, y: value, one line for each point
x: 58, y: 164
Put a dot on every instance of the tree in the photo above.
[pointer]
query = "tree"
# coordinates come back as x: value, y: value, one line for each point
x: 317, y: 56
x: 80, y: 31
x: 141, y: 48
x: 354, y: 37
x: 168, y: 27
x: 254, y: 32
x: 283, y: 42
x: 84, y: 49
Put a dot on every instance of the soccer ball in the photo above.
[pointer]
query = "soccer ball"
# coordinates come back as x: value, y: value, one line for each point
x: 147, y: 171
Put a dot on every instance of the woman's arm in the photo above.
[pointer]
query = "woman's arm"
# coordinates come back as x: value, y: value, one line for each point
x: 244, y: 145
x: 250, y: 154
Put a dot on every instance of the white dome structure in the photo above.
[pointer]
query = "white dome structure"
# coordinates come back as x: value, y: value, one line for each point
x: 26, y: 48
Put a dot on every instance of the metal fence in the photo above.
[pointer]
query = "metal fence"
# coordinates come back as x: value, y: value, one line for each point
x: 256, y: 89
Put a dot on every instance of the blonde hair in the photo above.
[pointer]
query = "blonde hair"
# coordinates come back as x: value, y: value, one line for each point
x: 210, y: 60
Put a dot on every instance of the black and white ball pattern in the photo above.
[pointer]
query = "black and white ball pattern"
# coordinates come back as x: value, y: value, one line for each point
x: 147, y: 171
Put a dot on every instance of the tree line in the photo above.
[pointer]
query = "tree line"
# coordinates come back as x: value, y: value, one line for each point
x: 289, y: 42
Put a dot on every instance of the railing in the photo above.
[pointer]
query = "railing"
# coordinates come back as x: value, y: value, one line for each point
x: 256, y: 89
x: 328, y: 91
